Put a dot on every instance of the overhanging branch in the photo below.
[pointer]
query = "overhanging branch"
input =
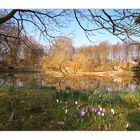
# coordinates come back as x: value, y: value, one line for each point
x: 3, y: 19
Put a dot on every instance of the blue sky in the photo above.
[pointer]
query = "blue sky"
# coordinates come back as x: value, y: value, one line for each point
x: 78, y: 36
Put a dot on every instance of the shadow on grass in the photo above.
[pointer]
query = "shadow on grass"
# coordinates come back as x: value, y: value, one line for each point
x: 134, y: 119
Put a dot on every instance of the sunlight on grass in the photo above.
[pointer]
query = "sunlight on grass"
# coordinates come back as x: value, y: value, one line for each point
x: 46, y: 108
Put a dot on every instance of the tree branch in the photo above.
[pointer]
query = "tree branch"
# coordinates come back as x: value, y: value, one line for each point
x: 109, y: 17
x: 3, y: 19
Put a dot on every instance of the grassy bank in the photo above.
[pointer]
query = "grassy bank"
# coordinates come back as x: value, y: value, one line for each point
x: 46, y: 108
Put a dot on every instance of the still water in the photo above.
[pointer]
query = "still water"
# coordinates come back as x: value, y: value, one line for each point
x: 87, y: 83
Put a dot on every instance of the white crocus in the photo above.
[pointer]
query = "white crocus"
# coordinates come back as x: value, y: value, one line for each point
x: 100, y: 109
x: 99, y: 113
x: 103, y: 114
x: 104, y: 110
x: 76, y: 102
x: 127, y: 125
x: 66, y: 111
x: 112, y: 111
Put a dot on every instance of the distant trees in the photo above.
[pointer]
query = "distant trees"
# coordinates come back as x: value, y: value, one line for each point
x: 17, y: 47
x: 59, y: 55
x: 64, y: 58
x: 84, y: 57
x: 103, y: 52
x: 136, y: 70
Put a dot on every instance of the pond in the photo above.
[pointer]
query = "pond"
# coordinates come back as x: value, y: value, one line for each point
x: 87, y: 83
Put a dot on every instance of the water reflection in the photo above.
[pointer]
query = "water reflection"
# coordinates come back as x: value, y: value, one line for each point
x: 87, y: 83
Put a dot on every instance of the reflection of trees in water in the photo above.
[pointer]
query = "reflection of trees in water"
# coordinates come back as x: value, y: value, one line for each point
x: 91, y: 83
x: 7, y: 80
x: 136, y: 80
x: 136, y: 77
x: 82, y: 83
x: 20, y: 80
x: 123, y: 83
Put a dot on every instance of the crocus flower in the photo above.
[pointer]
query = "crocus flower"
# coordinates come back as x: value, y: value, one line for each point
x: 85, y: 109
x: 76, y: 102
x: 57, y: 100
x: 99, y: 113
x: 94, y: 110
x: 110, y: 119
x: 66, y: 111
x: 112, y: 111
x: 102, y: 114
x: 100, y: 109
x: 83, y: 113
x: 103, y: 110
x: 126, y: 126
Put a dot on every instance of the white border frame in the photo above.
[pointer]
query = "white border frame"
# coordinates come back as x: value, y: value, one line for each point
x: 70, y: 4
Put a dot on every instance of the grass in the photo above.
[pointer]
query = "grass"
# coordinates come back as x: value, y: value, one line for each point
x: 47, y: 108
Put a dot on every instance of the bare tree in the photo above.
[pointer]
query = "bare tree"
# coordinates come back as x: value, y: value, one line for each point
x: 59, y: 55
x: 16, y: 25
x: 119, y: 22
x: 104, y: 52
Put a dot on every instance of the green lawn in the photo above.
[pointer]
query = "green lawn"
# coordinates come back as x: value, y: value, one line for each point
x: 46, y: 108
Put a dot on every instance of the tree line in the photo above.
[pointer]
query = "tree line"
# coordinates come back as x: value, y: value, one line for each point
x: 19, y: 50
x: 63, y: 57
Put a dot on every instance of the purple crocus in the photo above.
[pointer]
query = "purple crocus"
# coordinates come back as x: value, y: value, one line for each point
x: 101, y: 113
x: 101, y: 110
x: 83, y: 113
x: 94, y: 110
x: 110, y: 119
x: 85, y: 109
